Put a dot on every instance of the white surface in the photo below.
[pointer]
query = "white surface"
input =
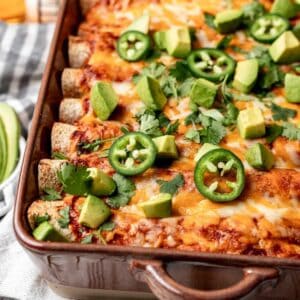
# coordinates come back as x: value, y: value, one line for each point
x: 19, y: 278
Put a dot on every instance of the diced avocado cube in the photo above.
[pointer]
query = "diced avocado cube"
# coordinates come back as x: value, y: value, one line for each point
x: 286, y: 48
x: 151, y: 93
x: 296, y: 31
x: 102, y: 184
x: 166, y: 146
x: 159, y: 206
x: 292, y: 88
x: 246, y: 74
x: 284, y: 8
x: 141, y: 24
x: 178, y: 41
x: 204, y: 93
x: 94, y: 212
x: 206, y: 147
x: 251, y: 123
x: 260, y: 157
x: 103, y: 100
x: 46, y: 232
x: 228, y: 20
x: 160, y: 39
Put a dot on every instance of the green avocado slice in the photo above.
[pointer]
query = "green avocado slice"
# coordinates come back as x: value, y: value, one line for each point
x: 46, y: 232
x: 260, y: 157
x: 159, y: 206
x: 292, y: 88
x: 141, y: 24
x: 228, y: 20
x: 284, y: 8
x: 151, y: 93
x: 166, y: 147
x: 3, y: 150
x: 12, y: 130
x: 94, y: 212
x: 246, y: 74
x: 103, y: 100
x: 102, y: 184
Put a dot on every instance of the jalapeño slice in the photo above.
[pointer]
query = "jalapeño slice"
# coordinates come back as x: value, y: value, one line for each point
x: 132, y: 153
x: 133, y: 45
x: 211, y: 64
x: 268, y: 28
x: 219, y: 175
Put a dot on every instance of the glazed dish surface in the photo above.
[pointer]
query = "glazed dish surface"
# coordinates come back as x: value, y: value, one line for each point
x: 262, y: 219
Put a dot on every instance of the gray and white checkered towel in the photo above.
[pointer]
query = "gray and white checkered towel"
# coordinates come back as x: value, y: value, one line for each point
x: 23, y: 53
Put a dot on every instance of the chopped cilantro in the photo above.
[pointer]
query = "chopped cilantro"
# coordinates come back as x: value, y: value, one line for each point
x: 180, y: 71
x: 172, y: 186
x: 231, y: 114
x: 185, y: 87
x: 291, y: 131
x: 65, y: 217
x: 163, y: 120
x: 192, y: 118
x: 51, y: 194
x: 40, y: 219
x: 124, y: 191
x: 172, y: 127
x: 75, y: 179
x: 90, y: 147
x: 209, y: 20
x: 224, y: 42
x: 273, y: 132
x: 252, y: 11
x: 281, y: 113
x: 169, y: 86
x: 87, y: 239
x: 58, y: 155
x: 150, y: 125
x: 154, y: 70
x: 193, y: 135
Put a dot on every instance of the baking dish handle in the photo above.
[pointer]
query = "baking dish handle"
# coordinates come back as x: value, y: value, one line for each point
x: 164, y: 287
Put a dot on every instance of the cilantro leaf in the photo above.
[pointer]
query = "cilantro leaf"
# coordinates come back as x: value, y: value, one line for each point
x: 291, y: 132
x: 172, y: 127
x: 40, y: 219
x: 180, y: 71
x: 209, y: 20
x: 65, y: 217
x: 150, y: 125
x: 213, y: 134
x: 169, y: 86
x: 90, y: 147
x: 75, y: 179
x: 185, y: 87
x: 193, y: 135
x: 124, y: 191
x: 52, y: 195
x: 163, y: 120
x: 172, y: 186
x: 224, y: 42
x: 231, y: 114
x: 58, y: 155
x: 281, y: 113
x: 252, y: 11
x: 192, y: 118
x: 154, y: 70
x: 108, y: 226
x: 272, y: 132
x: 87, y: 239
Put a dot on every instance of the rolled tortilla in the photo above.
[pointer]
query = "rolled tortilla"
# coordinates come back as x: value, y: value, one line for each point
x: 70, y: 110
x: 71, y: 83
x: 47, y: 174
x: 79, y: 51
x: 61, y: 137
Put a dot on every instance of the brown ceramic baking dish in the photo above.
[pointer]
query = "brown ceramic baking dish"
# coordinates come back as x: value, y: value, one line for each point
x: 88, y: 271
